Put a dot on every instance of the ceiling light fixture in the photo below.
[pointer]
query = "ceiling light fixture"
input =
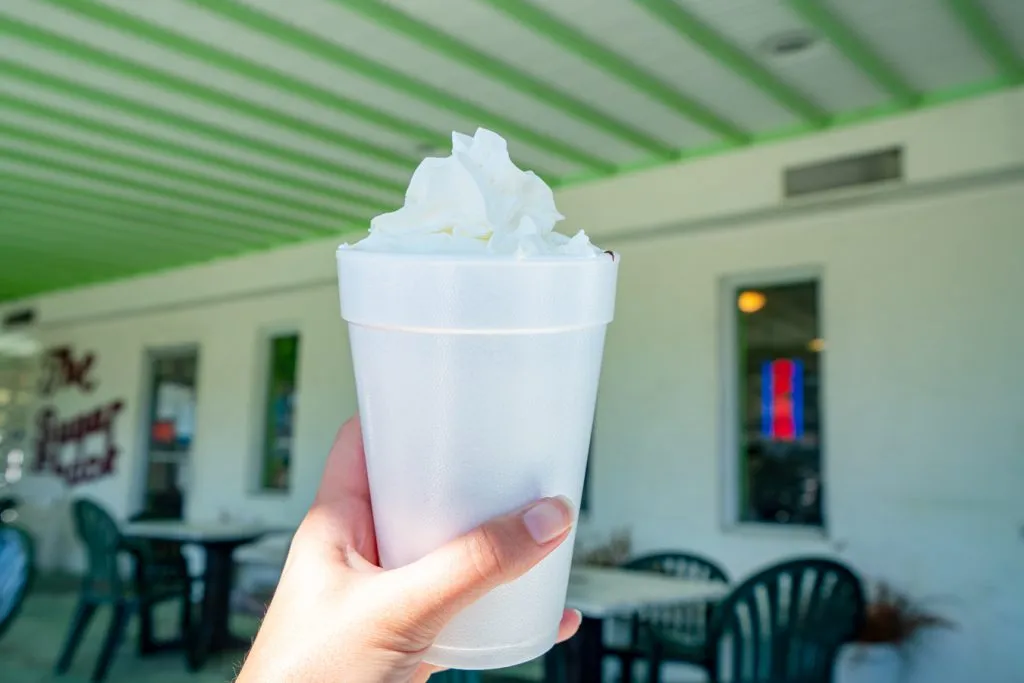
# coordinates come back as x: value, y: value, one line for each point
x: 750, y: 301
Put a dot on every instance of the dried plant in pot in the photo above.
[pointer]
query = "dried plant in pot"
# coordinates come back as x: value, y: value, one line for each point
x: 882, y: 649
x: 612, y: 553
x: 893, y: 618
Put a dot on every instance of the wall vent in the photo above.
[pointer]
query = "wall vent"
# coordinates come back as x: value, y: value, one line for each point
x: 20, y: 318
x: 868, y: 169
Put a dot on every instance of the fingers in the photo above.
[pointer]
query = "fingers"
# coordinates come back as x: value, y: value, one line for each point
x: 341, y: 515
x: 571, y: 620
x: 457, y: 574
x: 345, y: 470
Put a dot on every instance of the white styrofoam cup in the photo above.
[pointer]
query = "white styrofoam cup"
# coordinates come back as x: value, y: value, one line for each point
x: 477, y: 378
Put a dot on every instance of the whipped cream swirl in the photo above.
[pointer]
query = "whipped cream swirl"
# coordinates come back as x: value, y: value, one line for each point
x: 475, y: 201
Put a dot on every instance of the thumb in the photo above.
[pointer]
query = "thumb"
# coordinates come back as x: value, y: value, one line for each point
x: 457, y: 574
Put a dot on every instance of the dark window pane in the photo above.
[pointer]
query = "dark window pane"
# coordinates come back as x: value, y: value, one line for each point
x: 279, y: 412
x: 779, y: 354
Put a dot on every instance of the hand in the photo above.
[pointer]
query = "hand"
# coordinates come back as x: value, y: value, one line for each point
x: 337, y: 616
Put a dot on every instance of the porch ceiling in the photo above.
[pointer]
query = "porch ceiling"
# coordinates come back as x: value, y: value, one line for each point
x: 142, y: 135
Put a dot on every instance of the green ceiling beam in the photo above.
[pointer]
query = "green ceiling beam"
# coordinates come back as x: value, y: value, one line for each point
x: 201, y: 181
x: 268, y: 25
x: 198, y: 155
x: 114, y: 255
x: 988, y: 37
x: 856, y: 50
x: 58, y: 222
x: 23, y: 288
x: 37, y: 268
x: 66, y: 87
x: 468, y: 56
x: 172, y: 40
x: 689, y: 26
x: 118, y: 214
x: 569, y: 38
x: 20, y: 285
x: 33, y: 282
x: 87, y: 54
x: 78, y: 234
x: 285, y: 228
x: 57, y: 274
x: 28, y: 231
x: 41, y: 265
x: 42, y: 251
x: 204, y: 223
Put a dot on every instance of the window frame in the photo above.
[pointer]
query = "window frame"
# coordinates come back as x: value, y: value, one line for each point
x: 260, y: 412
x: 730, y: 418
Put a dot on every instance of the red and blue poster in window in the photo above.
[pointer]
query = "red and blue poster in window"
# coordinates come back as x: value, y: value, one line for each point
x: 782, y: 399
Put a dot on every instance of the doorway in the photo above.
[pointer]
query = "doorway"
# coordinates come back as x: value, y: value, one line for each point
x: 169, y: 430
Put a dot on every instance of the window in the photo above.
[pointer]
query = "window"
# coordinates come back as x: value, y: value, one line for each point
x: 279, y: 412
x: 776, y: 374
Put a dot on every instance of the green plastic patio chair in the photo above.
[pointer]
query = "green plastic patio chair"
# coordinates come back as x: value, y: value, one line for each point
x: 103, y: 584
x: 669, y: 634
x: 786, y: 623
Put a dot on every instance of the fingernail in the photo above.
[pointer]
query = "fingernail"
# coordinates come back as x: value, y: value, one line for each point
x: 548, y: 519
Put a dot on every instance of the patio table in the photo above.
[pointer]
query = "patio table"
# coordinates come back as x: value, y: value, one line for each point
x: 600, y: 593
x: 218, y: 541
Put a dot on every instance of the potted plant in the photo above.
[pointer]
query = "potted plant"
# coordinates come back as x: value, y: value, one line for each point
x: 881, y: 651
x: 611, y: 553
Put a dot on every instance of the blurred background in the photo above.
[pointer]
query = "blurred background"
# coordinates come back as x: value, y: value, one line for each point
x: 818, y: 204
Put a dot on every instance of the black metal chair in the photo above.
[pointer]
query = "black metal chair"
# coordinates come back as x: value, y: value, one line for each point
x: 164, y: 569
x: 102, y: 584
x: 17, y: 569
x: 786, y: 623
x: 669, y: 634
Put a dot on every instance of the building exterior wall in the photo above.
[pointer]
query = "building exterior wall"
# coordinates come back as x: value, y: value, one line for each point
x: 921, y: 290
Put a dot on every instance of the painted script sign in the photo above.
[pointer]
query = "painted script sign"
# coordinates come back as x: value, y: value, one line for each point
x: 81, y: 447
x: 63, y: 370
x: 78, y: 449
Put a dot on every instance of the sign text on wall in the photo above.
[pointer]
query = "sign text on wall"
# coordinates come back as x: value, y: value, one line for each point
x: 81, y: 448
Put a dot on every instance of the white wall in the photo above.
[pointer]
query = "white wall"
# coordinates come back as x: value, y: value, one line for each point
x: 229, y: 336
x: 924, y: 387
x: 924, y: 379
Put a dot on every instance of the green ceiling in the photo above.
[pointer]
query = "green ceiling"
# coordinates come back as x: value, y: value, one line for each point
x: 140, y: 135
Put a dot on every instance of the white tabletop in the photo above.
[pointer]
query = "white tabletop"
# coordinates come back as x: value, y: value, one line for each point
x: 197, y: 532
x: 604, y: 592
